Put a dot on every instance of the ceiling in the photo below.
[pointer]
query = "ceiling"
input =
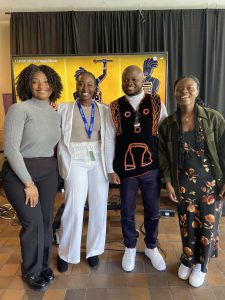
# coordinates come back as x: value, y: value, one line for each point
x: 102, y: 5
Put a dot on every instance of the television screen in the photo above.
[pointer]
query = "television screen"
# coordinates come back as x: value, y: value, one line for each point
x: 107, y: 69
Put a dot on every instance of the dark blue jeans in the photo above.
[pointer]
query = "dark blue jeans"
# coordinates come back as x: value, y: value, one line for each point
x: 149, y: 185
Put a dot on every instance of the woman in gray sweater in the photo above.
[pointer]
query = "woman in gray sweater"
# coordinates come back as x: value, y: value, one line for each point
x: 30, y: 176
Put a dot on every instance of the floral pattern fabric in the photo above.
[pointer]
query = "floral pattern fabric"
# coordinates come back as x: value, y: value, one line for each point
x: 199, y: 210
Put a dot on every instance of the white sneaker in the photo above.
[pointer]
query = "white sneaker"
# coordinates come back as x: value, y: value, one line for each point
x: 156, y: 258
x: 184, y: 272
x: 128, y: 261
x: 197, y: 277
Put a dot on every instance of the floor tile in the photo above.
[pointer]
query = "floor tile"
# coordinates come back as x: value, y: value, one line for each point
x: 81, y: 268
x: 4, y: 258
x: 216, y: 278
x: 102, y: 268
x: 54, y: 294
x: 5, y: 281
x: 203, y: 293
x: 219, y: 292
x: 137, y: 280
x: 17, y: 283
x: 183, y: 293
x: 97, y: 281
x: 13, y: 295
x: 109, y: 281
x: 115, y: 267
x: 60, y: 282
x: 75, y: 294
x: 160, y: 293
x: 117, y: 280
x: 173, y: 280
x: 14, y: 258
x: 135, y: 293
x: 9, y: 269
x: 158, y: 280
x: 117, y: 294
x: 33, y: 295
x: 96, y: 294
x: 78, y: 281
x: 1, y: 292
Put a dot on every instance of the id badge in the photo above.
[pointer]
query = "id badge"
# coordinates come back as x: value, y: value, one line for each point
x: 91, y: 153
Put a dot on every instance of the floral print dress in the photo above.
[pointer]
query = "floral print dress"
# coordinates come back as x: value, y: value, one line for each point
x: 199, y: 210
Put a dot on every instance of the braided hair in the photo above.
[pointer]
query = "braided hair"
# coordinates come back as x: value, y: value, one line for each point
x: 199, y: 134
x: 88, y: 73
x: 23, y: 82
x: 77, y: 74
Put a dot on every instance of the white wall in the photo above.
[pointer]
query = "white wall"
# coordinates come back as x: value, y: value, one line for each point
x: 5, y: 66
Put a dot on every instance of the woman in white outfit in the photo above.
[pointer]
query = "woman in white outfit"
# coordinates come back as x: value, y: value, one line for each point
x: 82, y: 166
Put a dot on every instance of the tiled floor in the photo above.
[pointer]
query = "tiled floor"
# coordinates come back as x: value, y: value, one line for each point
x: 109, y: 281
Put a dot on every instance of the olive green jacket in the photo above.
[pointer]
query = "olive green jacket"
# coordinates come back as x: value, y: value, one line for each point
x: 214, y: 129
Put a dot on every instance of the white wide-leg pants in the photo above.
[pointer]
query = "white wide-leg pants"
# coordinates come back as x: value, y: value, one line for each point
x: 86, y: 180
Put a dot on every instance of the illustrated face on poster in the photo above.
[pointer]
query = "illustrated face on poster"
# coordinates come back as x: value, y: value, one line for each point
x: 107, y: 70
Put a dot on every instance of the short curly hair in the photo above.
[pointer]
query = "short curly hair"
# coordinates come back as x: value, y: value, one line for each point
x: 23, y: 82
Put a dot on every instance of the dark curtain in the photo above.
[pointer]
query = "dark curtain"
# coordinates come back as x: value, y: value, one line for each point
x: 42, y: 33
x: 194, y: 40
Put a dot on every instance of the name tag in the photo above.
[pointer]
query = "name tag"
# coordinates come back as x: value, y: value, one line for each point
x: 91, y: 152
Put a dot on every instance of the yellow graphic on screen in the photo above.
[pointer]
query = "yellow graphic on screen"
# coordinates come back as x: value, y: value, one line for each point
x: 107, y: 70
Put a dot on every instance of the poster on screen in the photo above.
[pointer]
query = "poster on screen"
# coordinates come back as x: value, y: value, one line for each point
x: 107, y: 69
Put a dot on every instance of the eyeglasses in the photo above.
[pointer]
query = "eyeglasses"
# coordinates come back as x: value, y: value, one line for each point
x: 137, y: 119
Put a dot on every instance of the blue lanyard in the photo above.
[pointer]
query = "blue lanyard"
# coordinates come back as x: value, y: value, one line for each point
x: 91, y: 127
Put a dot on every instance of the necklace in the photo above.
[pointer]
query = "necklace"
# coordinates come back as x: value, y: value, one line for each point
x: 187, y: 117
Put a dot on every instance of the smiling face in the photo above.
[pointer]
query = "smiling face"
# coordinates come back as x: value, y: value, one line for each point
x: 186, y: 91
x: 86, y: 88
x: 132, y: 81
x: 39, y: 87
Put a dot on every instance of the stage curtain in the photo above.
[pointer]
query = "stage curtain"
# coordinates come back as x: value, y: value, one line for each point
x: 42, y: 33
x: 194, y: 40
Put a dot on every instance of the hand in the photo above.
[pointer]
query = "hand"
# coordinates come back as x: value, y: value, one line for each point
x: 31, y: 193
x: 114, y: 178
x: 171, y: 192
x: 222, y: 193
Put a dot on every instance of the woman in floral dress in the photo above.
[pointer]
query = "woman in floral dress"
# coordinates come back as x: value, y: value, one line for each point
x: 192, y: 162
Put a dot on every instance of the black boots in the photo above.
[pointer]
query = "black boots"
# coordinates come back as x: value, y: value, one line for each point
x: 62, y: 265
x: 93, y: 261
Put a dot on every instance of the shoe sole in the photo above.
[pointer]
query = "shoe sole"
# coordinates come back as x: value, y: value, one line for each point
x: 37, y: 289
x: 184, y: 278
x: 129, y: 269
x: 160, y: 270
x: 196, y: 286
x: 62, y: 271
x: 43, y: 289
x: 193, y: 283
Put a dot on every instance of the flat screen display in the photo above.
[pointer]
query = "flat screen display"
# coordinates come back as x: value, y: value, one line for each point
x: 107, y: 70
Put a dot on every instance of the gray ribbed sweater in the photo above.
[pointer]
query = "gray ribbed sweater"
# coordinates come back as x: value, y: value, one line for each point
x: 32, y: 129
